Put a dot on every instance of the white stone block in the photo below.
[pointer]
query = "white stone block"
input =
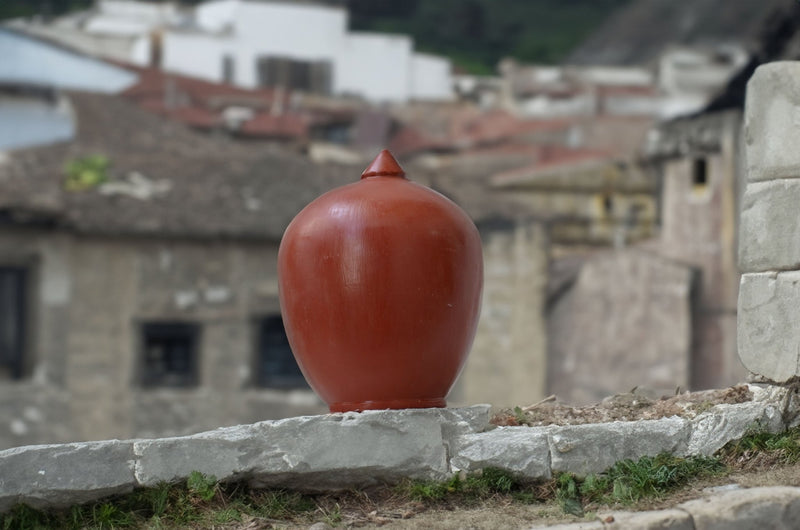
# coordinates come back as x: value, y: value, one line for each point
x: 523, y: 451
x: 726, y: 422
x: 768, y: 330
x: 772, y: 122
x: 62, y: 475
x: 593, y: 448
x: 769, y: 232
x: 333, y: 451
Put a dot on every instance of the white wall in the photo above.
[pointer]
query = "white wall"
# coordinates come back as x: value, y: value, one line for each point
x: 29, y: 61
x: 27, y: 122
x: 305, y: 32
x: 376, y: 66
x: 430, y: 78
x: 135, y: 9
x: 196, y: 54
x: 379, y: 67
x: 216, y: 15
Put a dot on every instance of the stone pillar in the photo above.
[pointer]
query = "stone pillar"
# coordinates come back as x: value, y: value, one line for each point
x: 769, y: 239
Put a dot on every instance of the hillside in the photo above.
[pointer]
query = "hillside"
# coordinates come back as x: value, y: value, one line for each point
x: 637, y: 33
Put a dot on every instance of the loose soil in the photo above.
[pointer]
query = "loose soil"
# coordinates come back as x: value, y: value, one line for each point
x: 634, y: 405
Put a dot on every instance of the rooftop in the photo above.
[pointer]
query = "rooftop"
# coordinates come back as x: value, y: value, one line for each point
x: 163, y: 179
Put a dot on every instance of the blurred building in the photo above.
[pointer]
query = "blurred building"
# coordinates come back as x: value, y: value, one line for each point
x: 254, y: 44
x: 138, y: 292
x: 32, y: 111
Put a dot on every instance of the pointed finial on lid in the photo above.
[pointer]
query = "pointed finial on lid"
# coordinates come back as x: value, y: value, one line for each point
x: 384, y: 165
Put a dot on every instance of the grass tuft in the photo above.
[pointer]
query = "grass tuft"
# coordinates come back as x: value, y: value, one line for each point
x: 484, y: 484
x: 783, y: 448
x: 628, y: 481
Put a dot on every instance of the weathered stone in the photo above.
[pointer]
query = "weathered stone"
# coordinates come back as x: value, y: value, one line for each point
x: 772, y: 122
x: 583, y: 525
x: 523, y: 451
x: 770, y: 507
x: 316, y: 452
x: 599, y: 325
x: 653, y: 520
x: 61, y: 475
x: 767, y: 393
x: 769, y: 226
x: 768, y: 334
x: 592, y: 448
x: 726, y: 422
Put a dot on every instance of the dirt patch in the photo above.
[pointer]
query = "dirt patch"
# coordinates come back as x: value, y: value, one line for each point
x: 631, y: 406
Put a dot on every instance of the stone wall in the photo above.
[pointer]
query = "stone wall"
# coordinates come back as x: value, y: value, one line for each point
x: 769, y: 299
x: 507, y: 365
x: 88, y: 298
x: 700, y: 196
x: 340, y: 451
x: 626, y: 322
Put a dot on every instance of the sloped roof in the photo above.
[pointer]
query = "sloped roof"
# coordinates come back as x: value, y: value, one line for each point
x: 165, y: 180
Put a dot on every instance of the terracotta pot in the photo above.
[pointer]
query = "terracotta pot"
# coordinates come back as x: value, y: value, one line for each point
x: 380, y: 288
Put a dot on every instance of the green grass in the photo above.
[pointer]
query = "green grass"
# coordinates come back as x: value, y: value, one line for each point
x: 487, y: 483
x: 200, y: 502
x: 783, y: 447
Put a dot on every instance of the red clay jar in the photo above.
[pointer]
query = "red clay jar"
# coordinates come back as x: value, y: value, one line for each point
x: 380, y: 289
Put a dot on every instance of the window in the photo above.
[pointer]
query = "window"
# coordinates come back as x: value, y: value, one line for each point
x: 608, y: 205
x: 699, y: 172
x: 276, y: 365
x: 169, y: 354
x: 306, y: 76
x: 12, y: 322
x: 228, y: 69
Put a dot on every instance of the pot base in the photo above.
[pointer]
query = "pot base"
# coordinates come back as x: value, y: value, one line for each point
x: 390, y: 404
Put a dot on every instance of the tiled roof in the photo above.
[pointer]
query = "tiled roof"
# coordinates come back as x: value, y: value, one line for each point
x: 200, y: 104
x: 469, y: 129
x: 164, y: 179
x: 552, y: 158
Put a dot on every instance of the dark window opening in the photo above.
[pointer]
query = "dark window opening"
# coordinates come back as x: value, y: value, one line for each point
x: 306, y: 76
x: 699, y: 172
x: 277, y: 367
x: 337, y: 133
x: 228, y: 69
x: 12, y: 322
x: 169, y: 354
x: 608, y: 204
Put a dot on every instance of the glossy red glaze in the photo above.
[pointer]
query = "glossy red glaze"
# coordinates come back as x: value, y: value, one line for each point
x: 380, y: 288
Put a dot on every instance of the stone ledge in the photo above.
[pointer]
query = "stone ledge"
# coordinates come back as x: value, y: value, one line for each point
x: 338, y: 451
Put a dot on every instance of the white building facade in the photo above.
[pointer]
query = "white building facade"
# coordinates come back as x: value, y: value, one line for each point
x: 256, y: 43
x: 253, y: 43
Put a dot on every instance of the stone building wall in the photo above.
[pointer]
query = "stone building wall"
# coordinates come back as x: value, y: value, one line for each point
x: 507, y: 366
x: 626, y: 322
x: 699, y: 203
x: 88, y: 297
